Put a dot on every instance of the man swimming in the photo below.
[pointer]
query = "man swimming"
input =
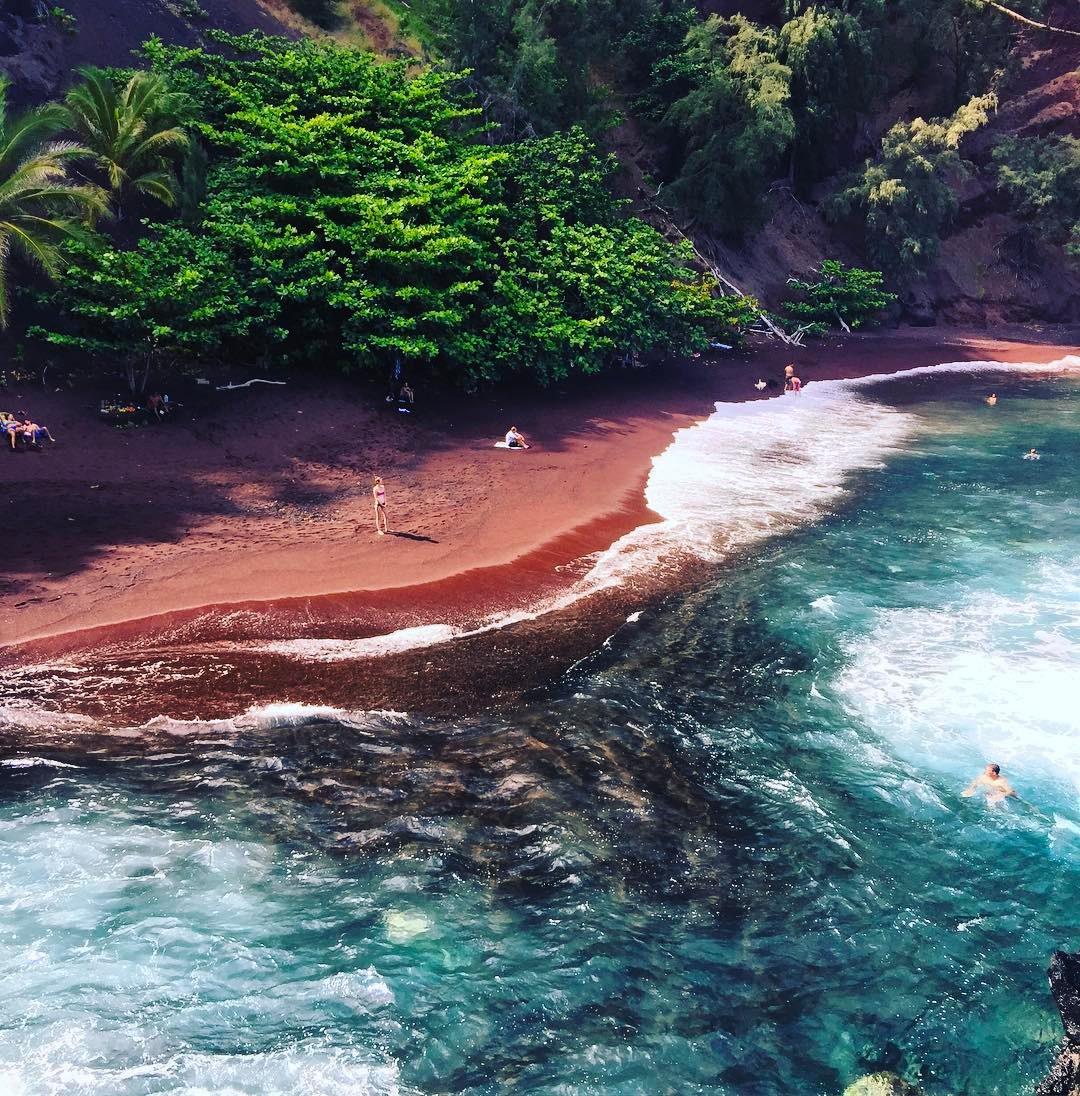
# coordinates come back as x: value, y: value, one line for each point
x: 990, y: 781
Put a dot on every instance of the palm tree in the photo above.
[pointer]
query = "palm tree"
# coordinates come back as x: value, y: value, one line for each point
x: 41, y: 209
x: 133, y: 132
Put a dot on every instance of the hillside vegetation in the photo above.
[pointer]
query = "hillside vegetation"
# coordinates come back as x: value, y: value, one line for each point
x: 445, y: 199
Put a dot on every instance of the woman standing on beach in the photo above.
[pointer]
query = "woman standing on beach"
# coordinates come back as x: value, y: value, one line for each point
x: 378, y: 492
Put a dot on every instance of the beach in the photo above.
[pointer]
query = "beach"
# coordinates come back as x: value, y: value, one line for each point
x: 263, y: 493
x: 686, y: 805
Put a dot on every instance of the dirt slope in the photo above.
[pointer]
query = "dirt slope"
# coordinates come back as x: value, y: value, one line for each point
x: 39, y: 56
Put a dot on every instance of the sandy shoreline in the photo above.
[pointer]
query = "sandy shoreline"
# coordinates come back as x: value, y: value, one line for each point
x: 248, y: 509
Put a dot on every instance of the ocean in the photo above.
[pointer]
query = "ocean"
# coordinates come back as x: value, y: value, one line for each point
x: 725, y: 852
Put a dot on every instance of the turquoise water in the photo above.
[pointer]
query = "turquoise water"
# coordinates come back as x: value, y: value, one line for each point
x: 726, y: 854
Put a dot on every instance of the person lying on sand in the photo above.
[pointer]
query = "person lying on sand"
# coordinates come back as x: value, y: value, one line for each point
x: 991, y: 400
x: 378, y: 493
x: 992, y: 783
x: 33, y: 432
x: 12, y: 428
x: 515, y: 439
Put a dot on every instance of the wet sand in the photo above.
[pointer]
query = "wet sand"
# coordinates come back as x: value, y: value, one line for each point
x: 250, y: 516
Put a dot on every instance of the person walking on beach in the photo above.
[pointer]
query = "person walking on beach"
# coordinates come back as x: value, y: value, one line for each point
x: 995, y: 786
x: 378, y: 493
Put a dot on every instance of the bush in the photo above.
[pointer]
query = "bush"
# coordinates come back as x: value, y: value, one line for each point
x: 1041, y: 178
x: 838, y: 296
x: 903, y: 197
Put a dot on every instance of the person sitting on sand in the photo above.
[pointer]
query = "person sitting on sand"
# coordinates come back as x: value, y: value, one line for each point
x: 1031, y: 454
x: 515, y: 439
x: 407, y: 395
x: 991, y: 400
x: 33, y: 432
x: 990, y: 781
x: 378, y: 493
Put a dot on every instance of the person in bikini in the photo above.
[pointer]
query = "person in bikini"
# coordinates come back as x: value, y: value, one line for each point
x: 378, y: 493
x: 993, y: 784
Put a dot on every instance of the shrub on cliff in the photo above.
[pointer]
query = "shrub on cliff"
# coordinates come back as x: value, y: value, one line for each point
x: 837, y: 296
x: 903, y: 197
x: 1041, y: 178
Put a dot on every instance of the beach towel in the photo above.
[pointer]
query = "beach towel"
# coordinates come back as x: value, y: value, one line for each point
x: 512, y: 448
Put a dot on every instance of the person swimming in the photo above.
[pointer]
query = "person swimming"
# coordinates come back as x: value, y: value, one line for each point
x: 1031, y: 454
x: 992, y: 784
x: 991, y: 400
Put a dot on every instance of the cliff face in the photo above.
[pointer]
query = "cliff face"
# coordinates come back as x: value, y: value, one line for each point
x: 976, y: 280
x: 38, y: 50
x: 1064, y: 1076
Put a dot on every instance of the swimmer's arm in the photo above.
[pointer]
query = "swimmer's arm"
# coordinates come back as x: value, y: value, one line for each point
x: 970, y: 790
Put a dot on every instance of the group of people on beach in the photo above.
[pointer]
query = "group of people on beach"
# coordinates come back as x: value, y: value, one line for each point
x: 21, y: 429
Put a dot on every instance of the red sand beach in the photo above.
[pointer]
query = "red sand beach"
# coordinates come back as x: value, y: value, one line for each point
x: 262, y: 494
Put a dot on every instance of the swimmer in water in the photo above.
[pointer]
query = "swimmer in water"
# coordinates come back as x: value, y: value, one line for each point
x: 991, y: 400
x: 1031, y: 454
x: 992, y: 784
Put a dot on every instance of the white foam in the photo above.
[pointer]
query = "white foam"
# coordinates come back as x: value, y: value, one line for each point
x: 990, y: 678
x: 34, y: 763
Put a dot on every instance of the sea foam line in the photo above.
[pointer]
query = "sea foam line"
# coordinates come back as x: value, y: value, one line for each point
x: 749, y: 472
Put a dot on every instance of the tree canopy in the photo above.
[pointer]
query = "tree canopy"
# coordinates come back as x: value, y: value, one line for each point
x: 353, y: 213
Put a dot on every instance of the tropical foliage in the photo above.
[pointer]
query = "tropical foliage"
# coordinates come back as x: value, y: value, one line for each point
x: 1041, y: 178
x: 132, y: 130
x: 903, y: 197
x: 41, y: 207
x: 353, y: 213
x: 837, y: 296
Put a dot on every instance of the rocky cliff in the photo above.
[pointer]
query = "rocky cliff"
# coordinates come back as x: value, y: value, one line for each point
x: 1064, y: 1076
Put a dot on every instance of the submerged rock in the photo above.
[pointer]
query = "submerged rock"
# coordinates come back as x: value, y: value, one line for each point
x: 881, y: 1084
x: 1064, y: 1076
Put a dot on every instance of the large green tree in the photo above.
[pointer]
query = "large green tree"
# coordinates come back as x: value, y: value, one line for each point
x: 354, y: 213
x: 734, y: 125
x: 1041, y: 178
x: 42, y: 210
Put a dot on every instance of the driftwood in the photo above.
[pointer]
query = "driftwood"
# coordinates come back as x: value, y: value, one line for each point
x: 246, y: 384
x: 1027, y: 21
x: 768, y: 326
